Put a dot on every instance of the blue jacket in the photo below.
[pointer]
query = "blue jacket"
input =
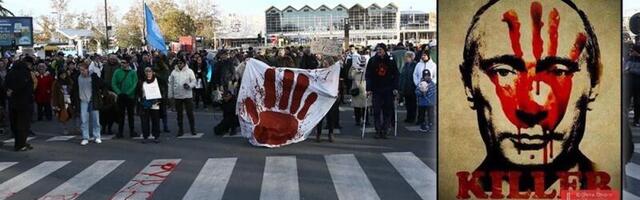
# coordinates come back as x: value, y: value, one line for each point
x: 428, y: 98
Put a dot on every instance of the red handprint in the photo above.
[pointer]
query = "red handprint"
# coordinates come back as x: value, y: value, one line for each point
x: 276, y: 126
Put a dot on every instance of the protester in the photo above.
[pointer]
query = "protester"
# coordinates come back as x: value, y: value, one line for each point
x: 359, y: 99
x: 382, y: 83
x: 199, y: 67
x: 181, y: 82
x: 407, y: 87
x: 109, y: 68
x: 43, y: 92
x: 161, y: 71
x: 425, y: 63
x: 426, y: 94
x: 150, y: 98
x: 88, y: 92
x: 124, y: 84
x: 61, y: 99
x: 229, y: 122
x: 20, y: 92
x: 330, y: 117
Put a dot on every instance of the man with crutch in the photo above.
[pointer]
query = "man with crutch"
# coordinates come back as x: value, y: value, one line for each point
x: 382, y: 84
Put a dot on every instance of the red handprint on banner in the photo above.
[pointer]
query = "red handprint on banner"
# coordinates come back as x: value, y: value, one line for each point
x: 275, y: 126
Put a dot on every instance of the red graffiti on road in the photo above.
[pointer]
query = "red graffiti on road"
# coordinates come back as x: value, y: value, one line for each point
x: 144, y: 184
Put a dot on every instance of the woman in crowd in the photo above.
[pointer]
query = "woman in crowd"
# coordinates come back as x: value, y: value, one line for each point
x: 44, y: 82
x: 150, y: 100
x: 61, y: 99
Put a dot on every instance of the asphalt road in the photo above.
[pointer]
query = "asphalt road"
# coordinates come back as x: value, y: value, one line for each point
x: 213, y: 167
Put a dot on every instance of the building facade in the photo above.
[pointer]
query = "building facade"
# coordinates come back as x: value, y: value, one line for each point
x: 367, y: 25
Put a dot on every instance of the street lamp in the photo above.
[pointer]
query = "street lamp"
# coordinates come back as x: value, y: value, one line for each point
x: 106, y: 25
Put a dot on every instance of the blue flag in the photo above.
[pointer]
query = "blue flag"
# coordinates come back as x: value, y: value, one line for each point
x: 154, y: 35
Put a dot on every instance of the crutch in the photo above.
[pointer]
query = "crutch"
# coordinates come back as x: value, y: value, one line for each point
x: 395, y: 110
x: 364, y: 124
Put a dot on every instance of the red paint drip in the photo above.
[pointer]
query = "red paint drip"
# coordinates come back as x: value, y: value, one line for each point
x: 544, y: 154
x: 578, y: 46
x: 519, y: 140
x: 511, y: 18
x: 554, y: 24
x: 307, y: 104
x: 250, y: 107
x: 270, y: 88
x: 287, y: 84
x: 302, y: 83
x: 536, y: 17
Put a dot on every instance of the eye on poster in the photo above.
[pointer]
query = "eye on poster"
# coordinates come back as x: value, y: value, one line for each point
x: 531, y: 93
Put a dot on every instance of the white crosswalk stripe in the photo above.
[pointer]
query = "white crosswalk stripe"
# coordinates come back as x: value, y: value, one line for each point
x: 145, y: 183
x: 633, y: 170
x: 280, y: 179
x: 75, y: 186
x: 10, y: 142
x: 14, y: 185
x: 349, y: 179
x: 5, y: 165
x: 61, y: 138
x: 212, y: 179
x: 628, y: 196
x: 418, y: 175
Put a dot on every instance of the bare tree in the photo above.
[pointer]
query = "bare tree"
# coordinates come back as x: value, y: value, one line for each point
x: 4, y: 12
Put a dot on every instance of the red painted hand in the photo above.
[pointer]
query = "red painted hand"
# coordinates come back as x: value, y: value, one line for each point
x: 276, y: 126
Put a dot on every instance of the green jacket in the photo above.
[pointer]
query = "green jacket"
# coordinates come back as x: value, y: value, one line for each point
x: 124, y: 82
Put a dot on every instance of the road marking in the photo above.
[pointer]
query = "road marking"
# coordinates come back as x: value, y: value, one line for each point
x: 412, y: 128
x: 637, y: 147
x: 189, y: 136
x: 237, y: 135
x: 629, y: 196
x: 280, y: 179
x: 212, y: 179
x: 18, y: 183
x: 5, y: 165
x: 61, y: 138
x: 421, y: 178
x: 349, y: 179
x: 146, y: 181
x: 342, y: 109
x: 633, y: 170
x: 11, y: 142
x: 81, y: 182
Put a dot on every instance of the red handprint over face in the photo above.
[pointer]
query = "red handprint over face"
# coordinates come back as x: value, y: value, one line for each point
x: 518, y: 82
x: 277, y: 126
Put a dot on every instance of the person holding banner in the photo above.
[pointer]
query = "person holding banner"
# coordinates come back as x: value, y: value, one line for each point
x: 150, y: 100
x: 382, y: 84
x: 332, y: 116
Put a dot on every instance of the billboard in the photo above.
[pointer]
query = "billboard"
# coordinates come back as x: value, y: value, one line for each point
x: 16, y: 31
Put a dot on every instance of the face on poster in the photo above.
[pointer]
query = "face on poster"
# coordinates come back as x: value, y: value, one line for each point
x: 529, y: 82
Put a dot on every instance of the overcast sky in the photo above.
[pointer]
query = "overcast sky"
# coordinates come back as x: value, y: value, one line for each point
x: 257, y: 7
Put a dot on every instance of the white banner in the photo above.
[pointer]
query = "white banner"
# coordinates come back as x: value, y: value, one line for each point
x: 280, y: 106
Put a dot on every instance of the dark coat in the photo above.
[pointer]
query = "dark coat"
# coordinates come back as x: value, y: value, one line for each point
x: 382, y: 74
x: 19, y: 81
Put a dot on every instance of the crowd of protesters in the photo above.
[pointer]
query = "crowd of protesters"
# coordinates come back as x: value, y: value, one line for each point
x: 89, y: 95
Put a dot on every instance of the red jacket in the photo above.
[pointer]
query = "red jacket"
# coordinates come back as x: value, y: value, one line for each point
x: 43, y: 88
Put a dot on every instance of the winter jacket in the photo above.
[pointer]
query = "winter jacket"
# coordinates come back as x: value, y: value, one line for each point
x: 285, y: 61
x: 176, y: 81
x: 382, y: 74
x: 427, y: 98
x: 223, y: 72
x: 108, y: 70
x: 19, y: 81
x: 398, y: 56
x: 43, y: 89
x: 146, y: 103
x: 124, y: 82
x: 406, y: 78
x: 309, y: 62
x: 57, y: 97
x: 97, y: 90
x: 420, y: 67
x: 360, y: 101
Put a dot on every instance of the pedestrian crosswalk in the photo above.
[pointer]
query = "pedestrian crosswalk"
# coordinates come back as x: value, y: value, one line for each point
x: 280, y: 178
x: 632, y: 170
